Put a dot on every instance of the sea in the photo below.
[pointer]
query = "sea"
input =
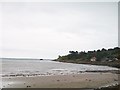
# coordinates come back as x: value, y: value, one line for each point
x: 11, y: 67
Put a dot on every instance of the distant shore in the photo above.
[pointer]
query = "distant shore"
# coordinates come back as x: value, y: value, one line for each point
x: 107, y: 57
x: 111, y: 64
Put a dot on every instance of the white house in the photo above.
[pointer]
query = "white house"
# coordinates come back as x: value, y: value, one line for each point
x: 93, y: 59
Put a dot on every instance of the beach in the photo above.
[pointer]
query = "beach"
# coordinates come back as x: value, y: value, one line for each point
x: 83, y: 80
x: 52, y: 74
x: 59, y: 44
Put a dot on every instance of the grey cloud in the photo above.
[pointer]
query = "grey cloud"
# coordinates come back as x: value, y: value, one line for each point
x: 56, y: 28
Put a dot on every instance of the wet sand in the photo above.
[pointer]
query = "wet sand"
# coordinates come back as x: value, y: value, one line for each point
x: 83, y: 80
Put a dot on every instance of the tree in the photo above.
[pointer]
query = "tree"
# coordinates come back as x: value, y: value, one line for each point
x: 73, y: 52
x: 103, y: 49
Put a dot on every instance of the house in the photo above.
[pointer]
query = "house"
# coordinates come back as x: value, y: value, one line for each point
x: 93, y: 59
x: 114, y: 59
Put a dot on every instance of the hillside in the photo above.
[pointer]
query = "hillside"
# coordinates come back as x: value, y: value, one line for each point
x: 110, y: 57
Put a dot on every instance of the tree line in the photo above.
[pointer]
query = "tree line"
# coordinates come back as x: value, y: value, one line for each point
x: 100, y: 55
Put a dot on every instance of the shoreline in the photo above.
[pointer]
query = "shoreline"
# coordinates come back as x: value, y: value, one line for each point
x: 51, y: 74
x: 90, y: 63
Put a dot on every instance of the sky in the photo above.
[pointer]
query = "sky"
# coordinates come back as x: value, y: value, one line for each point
x: 48, y: 29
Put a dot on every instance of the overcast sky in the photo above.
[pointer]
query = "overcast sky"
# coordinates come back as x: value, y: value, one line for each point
x: 46, y: 30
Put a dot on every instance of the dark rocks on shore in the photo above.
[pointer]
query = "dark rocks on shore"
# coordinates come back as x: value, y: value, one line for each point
x: 28, y: 86
x: 58, y: 80
x: 117, y: 87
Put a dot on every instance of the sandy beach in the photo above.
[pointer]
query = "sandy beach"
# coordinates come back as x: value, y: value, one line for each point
x: 83, y: 80
x: 51, y: 74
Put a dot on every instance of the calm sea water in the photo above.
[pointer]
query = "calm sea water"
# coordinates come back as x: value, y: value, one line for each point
x: 13, y: 67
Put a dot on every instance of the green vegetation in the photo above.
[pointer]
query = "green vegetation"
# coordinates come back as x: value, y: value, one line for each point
x: 110, y: 57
